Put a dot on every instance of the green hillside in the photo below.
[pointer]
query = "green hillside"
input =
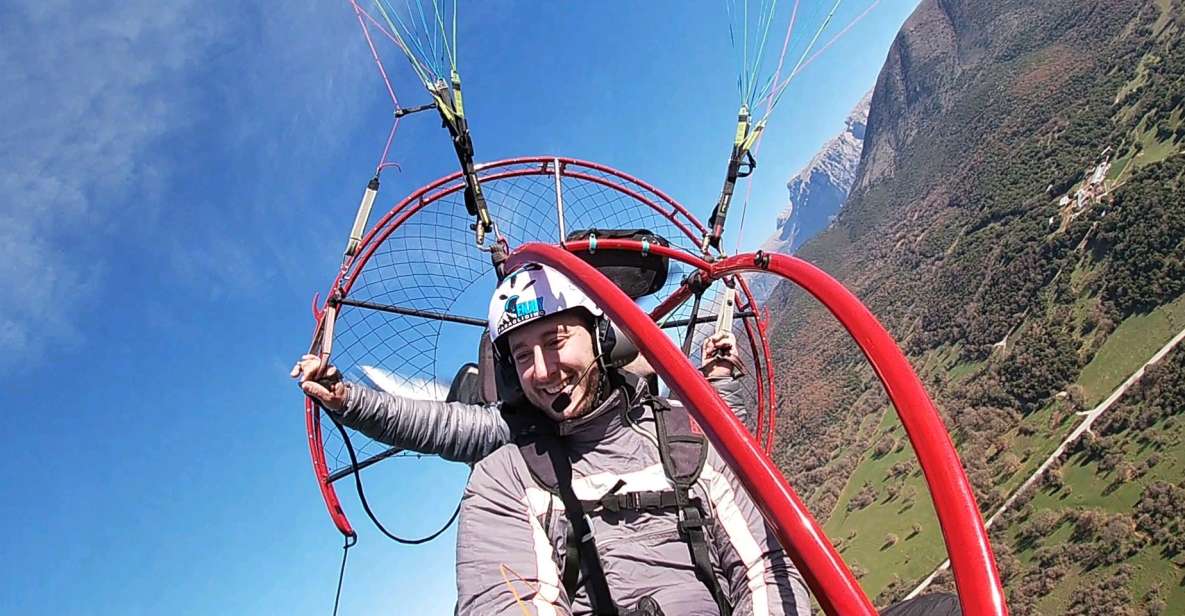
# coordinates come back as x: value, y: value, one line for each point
x: 1019, y: 226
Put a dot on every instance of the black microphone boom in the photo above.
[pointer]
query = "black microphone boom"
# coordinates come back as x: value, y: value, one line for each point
x: 562, y: 400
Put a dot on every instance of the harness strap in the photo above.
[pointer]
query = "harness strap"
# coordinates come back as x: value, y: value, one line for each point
x: 582, y: 548
x: 691, y: 518
x: 633, y: 501
x: 548, y: 461
x: 691, y: 524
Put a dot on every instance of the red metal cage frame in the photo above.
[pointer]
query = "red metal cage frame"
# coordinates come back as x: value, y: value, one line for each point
x: 634, y: 188
x: 832, y: 583
x: 972, y: 561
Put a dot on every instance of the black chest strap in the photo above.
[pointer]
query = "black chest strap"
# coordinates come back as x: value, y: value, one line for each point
x: 682, y: 452
x: 633, y: 501
x: 692, y: 522
x: 583, y: 562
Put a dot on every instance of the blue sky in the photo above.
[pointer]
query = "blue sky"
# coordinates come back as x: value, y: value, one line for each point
x: 178, y: 179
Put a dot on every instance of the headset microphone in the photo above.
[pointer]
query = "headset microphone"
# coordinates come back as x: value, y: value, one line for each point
x: 561, y: 402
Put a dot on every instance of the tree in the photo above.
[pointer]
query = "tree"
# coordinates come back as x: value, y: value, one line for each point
x: 865, y: 497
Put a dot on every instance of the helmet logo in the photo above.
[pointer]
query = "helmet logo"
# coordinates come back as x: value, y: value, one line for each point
x: 516, y: 311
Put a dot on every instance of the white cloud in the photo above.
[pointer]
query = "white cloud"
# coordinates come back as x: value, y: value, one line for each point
x: 107, y: 100
x: 95, y: 89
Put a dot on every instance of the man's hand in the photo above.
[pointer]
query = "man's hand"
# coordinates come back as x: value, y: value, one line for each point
x: 325, y: 386
x: 720, y: 356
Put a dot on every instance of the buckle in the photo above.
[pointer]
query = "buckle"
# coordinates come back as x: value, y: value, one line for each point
x: 589, y: 536
x: 686, y: 524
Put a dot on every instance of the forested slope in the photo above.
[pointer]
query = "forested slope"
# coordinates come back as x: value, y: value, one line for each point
x: 1017, y: 223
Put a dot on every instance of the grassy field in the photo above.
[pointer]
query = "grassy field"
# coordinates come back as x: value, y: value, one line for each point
x: 961, y: 371
x: 1128, y: 347
x: 861, y: 533
x: 1166, y: 8
x: 1153, y: 150
x: 1035, y: 438
x: 1086, y: 486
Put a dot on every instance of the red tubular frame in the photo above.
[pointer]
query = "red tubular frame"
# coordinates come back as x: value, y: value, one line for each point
x: 638, y: 190
x: 976, y: 577
x: 820, y: 564
x: 313, y: 424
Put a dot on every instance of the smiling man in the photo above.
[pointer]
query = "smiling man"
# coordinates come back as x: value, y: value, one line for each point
x: 609, y: 501
x: 553, y: 356
x: 589, y: 494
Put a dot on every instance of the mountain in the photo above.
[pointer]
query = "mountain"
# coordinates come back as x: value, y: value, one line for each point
x: 1015, y: 221
x: 816, y: 192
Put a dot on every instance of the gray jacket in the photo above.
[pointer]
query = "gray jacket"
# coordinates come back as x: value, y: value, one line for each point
x: 454, y: 430
x: 512, y: 535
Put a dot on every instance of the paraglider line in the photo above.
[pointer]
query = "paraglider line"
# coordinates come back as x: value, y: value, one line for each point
x: 383, y: 162
x: 341, y: 576
x: 837, y: 36
x: 785, y: 46
x: 769, y: 19
x: 777, y: 92
x: 402, y: 29
x: 732, y: 42
x: 424, y: 25
x: 375, y: 54
x: 422, y: 70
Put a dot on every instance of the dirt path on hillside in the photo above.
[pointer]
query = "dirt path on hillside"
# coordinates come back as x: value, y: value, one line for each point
x: 1089, y: 418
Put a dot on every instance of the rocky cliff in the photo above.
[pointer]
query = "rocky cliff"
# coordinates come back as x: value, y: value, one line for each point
x: 817, y: 191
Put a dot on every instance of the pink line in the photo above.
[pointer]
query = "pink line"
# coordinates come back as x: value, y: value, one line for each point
x: 838, y: 35
x: 779, y: 87
x: 375, y: 54
x: 358, y: 12
x: 786, y: 42
x: 378, y: 26
x: 383, y: 163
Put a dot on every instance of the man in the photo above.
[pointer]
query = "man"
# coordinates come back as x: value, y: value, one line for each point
x: 468, y: 432
x: 607, y: 502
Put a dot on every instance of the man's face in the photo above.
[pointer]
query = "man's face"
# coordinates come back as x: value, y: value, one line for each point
x: 551, y: 355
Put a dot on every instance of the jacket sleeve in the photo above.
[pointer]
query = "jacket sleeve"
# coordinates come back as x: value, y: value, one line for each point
x: 729, y: 389
x: 452, y: 430
x: 506, y: 564
x: 761, y: 580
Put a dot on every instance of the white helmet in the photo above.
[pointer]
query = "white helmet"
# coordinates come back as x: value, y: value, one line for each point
x: 532, y: 292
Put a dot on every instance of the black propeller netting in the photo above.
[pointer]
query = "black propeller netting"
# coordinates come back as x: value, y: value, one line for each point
x: 430, y: 263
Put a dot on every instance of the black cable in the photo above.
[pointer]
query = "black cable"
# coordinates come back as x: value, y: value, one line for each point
x: 366, y: 505
x: 341, y: 576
